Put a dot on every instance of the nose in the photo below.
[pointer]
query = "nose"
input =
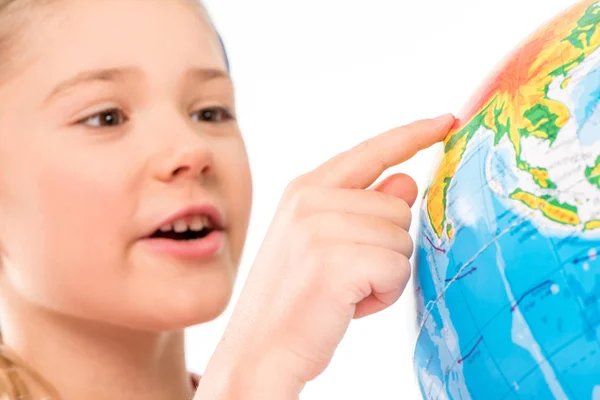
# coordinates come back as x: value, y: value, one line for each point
x: 187, y: 155
x: 194, y: 161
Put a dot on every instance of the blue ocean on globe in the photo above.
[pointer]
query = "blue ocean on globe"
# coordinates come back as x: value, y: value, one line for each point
x: 507, y: 275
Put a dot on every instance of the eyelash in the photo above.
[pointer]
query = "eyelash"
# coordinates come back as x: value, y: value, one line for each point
x: 223, y: 113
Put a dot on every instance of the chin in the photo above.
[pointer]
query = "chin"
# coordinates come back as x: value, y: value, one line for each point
x: 189, y: 304
x: 175, y: 317
x: 167, y: 295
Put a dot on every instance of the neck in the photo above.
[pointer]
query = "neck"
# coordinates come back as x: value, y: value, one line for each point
x: 87, y: 360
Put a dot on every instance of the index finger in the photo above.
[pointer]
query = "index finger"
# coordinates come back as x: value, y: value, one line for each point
x: 360, y: 166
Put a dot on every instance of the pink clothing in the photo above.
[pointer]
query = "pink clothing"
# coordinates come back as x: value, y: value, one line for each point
x: 195, y: 378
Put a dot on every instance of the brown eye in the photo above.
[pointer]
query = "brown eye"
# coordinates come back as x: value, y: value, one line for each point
x: 107, y: 118
x: 213, y: 114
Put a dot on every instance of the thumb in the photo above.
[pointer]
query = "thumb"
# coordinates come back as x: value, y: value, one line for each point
x: 401, y: 186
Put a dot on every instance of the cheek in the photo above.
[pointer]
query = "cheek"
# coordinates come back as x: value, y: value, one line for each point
x: 84, y: 206
x: 63, y: 231
x: 234, y: 172
x: 243, y: 185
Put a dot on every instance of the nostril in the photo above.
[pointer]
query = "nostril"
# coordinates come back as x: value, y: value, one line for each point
x: 180, y: 170
x: 186, y: 169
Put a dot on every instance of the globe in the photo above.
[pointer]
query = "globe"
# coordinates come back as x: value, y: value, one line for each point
x: 507, y: 265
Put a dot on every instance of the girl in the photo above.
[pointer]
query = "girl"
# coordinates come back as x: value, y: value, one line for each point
x: 125, y: 196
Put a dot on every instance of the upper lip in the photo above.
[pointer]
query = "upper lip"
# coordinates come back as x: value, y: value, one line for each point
x: 214, y: 215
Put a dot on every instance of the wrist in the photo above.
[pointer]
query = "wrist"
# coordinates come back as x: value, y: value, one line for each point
x: 264, y: 377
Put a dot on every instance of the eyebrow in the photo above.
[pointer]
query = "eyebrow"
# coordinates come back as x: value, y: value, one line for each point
x: 204, y: 74
x: 120, y: 74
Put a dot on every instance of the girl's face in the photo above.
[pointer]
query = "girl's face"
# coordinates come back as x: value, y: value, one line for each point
x: 114, y: 121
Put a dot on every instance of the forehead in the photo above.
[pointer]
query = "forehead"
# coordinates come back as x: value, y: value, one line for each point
x: 78, y: 35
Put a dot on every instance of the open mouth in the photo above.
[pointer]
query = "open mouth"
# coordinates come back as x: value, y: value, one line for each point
x: 187, y: 235
x: 186, y: 229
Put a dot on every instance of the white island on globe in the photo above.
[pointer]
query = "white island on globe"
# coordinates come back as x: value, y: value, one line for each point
x: 507, y: 274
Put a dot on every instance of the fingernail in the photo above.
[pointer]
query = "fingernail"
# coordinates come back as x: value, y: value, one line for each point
x: 444, y: 120
x: 444, y: 117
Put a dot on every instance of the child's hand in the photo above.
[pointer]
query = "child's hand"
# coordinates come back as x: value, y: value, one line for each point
x: 334, y: 252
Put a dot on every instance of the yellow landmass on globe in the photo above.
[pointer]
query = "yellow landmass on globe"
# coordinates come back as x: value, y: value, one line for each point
x: 595, y: 171
x: 591, y: 225
x: 450, y: 231
x: 558, y: 212
x: 436, y: 196
x: 515, y: 103
x: 565, y: 83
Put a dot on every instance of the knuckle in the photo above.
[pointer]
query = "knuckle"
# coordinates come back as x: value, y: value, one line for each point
x: 300, y: 183
x: 400, y: 211
x: 364, y: 146
x: 374, y: 154
x: 390, y: 228
x: 396, y: 268
x: 295, y: 186
x: 403, y: 268
x: 353, y: 293
x: 298, y: 198
x: 382, y: 161
x: 402, y: 205
x: 403, y: 211
x: 384, y: 197
x: 408, y: 244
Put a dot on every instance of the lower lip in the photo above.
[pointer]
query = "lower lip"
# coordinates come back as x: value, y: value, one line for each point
x: 203, y: 248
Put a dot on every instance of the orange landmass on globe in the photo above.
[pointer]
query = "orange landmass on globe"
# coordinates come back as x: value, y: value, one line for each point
x: 514, y: 102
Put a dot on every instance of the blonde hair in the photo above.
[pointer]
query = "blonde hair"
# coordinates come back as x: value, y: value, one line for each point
x: 17, y: 377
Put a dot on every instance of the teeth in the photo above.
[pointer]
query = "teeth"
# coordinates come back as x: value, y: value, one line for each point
x: 166, y: 228
x: 198, y: 223
x: 180, y: 226
x: 195, y: 223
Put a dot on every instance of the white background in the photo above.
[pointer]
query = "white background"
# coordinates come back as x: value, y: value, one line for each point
x: 315, y: 77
